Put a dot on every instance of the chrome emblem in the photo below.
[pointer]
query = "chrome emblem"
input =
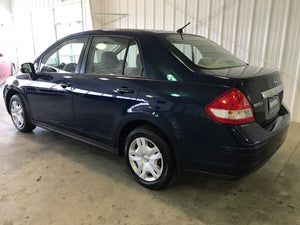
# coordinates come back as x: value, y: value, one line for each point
x: 258, y: 104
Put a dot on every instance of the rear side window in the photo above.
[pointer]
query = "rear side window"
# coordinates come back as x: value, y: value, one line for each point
x: 133, y: 63
x: 64, y: 58
x: 114, y: 56
x: 203, y: 52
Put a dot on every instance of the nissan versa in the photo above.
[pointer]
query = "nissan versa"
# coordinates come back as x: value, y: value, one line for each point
x: 164, y: 100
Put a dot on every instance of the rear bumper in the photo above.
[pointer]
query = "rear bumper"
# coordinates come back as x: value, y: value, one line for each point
x: 253, y: 148
x: 252, y: 158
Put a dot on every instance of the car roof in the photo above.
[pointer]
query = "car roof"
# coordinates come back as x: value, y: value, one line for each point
x: 125, y: 32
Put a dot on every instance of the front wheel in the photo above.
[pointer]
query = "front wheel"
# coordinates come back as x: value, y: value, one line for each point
x: 149, y: 158
x: 19, y: 114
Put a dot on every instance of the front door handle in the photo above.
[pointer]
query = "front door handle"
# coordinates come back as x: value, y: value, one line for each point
x: 125, y: 90
x: 65, y: 84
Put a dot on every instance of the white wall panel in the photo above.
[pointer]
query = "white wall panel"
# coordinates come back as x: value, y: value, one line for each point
x: 27, y: 5
x: 244, y: 28
x: 158, y: 14
x: 216, y: 16
x: 124, y: 11
x: 228, y: 35
x: 203, y: 19
x: 149, y: 14
x: 290, y: 59
x: 169, y: 14
x: 38, y: 23
x: 261, y: 32
x: 191, y: 10
x: 280, y: 10
x: 179, y: 12
x: 140, y: 15
x: 132, y: 15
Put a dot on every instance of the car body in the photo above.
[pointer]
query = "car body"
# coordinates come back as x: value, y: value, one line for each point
x: 6, y: 67
x: 183, y: 98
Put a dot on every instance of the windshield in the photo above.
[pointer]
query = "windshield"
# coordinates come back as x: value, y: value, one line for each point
x: 203, y: 52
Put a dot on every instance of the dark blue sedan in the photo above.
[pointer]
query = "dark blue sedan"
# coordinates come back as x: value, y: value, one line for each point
x: 164, y: 100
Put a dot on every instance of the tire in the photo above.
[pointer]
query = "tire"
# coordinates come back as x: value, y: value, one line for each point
x: 19, y: 115
x: 149, y: 158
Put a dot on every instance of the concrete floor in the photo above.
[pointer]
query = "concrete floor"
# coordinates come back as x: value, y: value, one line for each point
x: 47, y: 178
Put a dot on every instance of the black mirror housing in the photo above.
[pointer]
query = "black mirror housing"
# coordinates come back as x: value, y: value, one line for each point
x: 29, y: 68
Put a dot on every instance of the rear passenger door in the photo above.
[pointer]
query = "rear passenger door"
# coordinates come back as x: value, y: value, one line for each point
x: 107, y: 86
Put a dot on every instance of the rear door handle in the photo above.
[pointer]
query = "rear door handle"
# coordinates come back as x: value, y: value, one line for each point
x: 65, y: 84
x: 125, y: 90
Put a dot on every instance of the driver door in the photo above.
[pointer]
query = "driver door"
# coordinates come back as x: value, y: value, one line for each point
x: 50, y: 96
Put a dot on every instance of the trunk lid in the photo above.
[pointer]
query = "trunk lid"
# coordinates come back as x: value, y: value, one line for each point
x: 262, y: 87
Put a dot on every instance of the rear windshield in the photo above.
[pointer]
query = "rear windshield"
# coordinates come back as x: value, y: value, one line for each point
x: 203, y: 52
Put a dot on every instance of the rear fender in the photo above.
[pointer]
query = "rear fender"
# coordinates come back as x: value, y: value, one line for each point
x: 167, y: 131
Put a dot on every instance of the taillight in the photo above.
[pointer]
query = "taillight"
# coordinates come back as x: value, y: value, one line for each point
x: 231, y: 107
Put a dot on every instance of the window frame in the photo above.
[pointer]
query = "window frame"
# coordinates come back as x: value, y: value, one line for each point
x: 130, y: 39
x: 59, y: 45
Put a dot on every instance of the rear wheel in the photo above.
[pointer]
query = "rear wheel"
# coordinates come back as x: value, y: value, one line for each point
x: 19, y: 114
x: 149, y: 158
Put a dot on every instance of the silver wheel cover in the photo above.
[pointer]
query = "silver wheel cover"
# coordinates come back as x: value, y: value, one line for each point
x: 17, y: 113
x: 145, y: 159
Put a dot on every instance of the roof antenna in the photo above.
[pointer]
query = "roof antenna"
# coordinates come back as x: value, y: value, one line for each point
x: 180, y: 30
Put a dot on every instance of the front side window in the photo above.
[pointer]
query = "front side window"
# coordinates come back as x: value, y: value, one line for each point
x: 64, y: 58
x: 202, y: 52
x: 113, y: 56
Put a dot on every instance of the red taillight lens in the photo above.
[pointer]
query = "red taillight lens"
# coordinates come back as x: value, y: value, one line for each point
x: 231, y: 107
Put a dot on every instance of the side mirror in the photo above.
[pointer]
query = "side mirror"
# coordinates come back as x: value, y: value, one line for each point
x: 1, y: 55
x: 29, y: 68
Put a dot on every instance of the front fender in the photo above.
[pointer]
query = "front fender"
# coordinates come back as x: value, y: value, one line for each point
x: 13, y: 87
